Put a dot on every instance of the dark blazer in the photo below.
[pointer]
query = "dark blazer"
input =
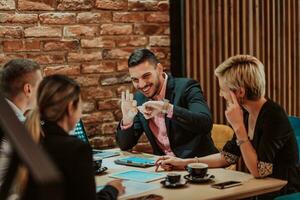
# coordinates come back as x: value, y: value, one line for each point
x: 188, y: 130
x: 74, y: 159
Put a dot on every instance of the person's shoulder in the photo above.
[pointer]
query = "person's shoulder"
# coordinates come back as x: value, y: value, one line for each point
x: 274, y: 109
x: 184, y: 81
x: 68, y: 143
x: 274, y: 115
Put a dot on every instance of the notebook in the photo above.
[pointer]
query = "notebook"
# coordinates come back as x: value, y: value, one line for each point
x: 80, y: 133
x: 136, y: 161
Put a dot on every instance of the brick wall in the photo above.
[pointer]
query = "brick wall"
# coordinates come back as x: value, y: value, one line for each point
x: 89, y: 40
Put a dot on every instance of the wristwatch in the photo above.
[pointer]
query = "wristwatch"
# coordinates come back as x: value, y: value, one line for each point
x: 165, y: 106
x: 240, y: 142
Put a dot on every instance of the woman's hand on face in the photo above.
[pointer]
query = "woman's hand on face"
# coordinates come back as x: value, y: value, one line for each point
x: 169, y: 163
x: 234, y: 113
x: 118, y: 185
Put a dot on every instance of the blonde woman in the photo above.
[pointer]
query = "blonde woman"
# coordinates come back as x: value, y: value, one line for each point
x: 263, y: 135
x: 58, y: 110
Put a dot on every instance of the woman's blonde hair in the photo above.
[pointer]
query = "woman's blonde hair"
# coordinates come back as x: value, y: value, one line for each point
x: 54, y: 94
x: 243, y: 71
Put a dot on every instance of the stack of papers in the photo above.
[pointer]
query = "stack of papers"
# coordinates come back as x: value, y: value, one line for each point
x: 133, y: 188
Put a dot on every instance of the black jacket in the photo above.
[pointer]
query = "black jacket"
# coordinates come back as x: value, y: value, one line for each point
x: 74, y: 159
x: 188, y: 130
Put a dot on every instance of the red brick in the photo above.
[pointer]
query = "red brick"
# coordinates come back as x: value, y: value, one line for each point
x: 160, y: 52
x: 109, y: 80
x: 43, y: 31
x: 87, y: 80
x: 163, y: 5
x: 103, y: 141
x: 96, y: 93
x: 75, y: 4
x: 94, y: 18
x: 36, y: 4
x: 88, y: 106
x: 57, y: 18
x: 93, y: 129
x: 103, y: 67
x: 141, y: 5
x: 4, y: 58
x: 11, y: 31
x: 84, y: 56
x: 63, y: 69
x: 117, y: 53
x: 159, y: 41
x: 103, y: 116
x: 135, y: 41
x: 7, y: 5
x: 99, y: 42
x: 123, y: 88
x: 111, y: 4
x: 80, y: 31
x: 166, y: 64
x: 118, y: 115
x: 157, y: 17
x: 18, y: 18
x: 109, y: 128
x: 54, y: 45
x: 109, y: 104
x: 151, y: 29
x: 128, y: 17
x: 116, y: 29
x: 21, y: 45
x: 47, y: 59
x: 122, y: 65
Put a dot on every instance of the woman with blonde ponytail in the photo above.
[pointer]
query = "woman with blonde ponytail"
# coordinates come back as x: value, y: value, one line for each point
x: 32, y: 123
x: 58, y: 110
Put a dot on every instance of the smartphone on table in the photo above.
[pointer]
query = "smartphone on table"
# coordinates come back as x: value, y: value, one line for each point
x: 226, y: 184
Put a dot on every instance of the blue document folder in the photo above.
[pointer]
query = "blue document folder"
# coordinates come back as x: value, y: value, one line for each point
x: 139, y: 176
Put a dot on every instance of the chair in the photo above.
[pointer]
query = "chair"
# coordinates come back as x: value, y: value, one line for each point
x: 293, y: 196
x: 221, y: 134
x: 295, y: 122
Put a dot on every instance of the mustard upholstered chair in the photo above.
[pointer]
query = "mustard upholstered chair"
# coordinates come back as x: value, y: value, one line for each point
x: 221, y: 134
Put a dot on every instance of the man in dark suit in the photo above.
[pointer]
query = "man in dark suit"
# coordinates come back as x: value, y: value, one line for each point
x: 171, y: 111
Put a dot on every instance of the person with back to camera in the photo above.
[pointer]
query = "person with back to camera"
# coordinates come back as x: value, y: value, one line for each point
x: 57, y: 112
x: 19, y: 80
x: 172, y: 111
x: 263, y: 135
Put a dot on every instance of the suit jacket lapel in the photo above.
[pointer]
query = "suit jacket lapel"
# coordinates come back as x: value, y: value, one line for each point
x: 170, y: 94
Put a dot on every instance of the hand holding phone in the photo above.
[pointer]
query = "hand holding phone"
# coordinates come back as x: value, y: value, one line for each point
x: 226, y: 184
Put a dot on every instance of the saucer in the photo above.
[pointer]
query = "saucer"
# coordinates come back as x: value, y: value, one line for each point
x: 100, y: 170
x: 205, y: 179
x: 167, y: 184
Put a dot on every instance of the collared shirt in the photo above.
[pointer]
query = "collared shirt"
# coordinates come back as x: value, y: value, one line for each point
x: 5, y: 147
x: 157, y: 124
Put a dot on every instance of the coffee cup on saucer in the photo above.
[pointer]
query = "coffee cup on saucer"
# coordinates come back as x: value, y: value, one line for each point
x: 197, y: 170
x: 173, y: 178
x: 97, y: 163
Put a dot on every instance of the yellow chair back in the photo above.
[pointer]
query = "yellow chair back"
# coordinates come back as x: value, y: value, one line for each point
x: 221, y: 134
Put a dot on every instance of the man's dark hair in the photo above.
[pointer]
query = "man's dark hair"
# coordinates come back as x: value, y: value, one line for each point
x: 139, y: 56
x: 15, y: 74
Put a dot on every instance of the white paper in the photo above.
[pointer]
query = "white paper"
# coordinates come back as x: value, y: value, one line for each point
x: 134, y: 188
